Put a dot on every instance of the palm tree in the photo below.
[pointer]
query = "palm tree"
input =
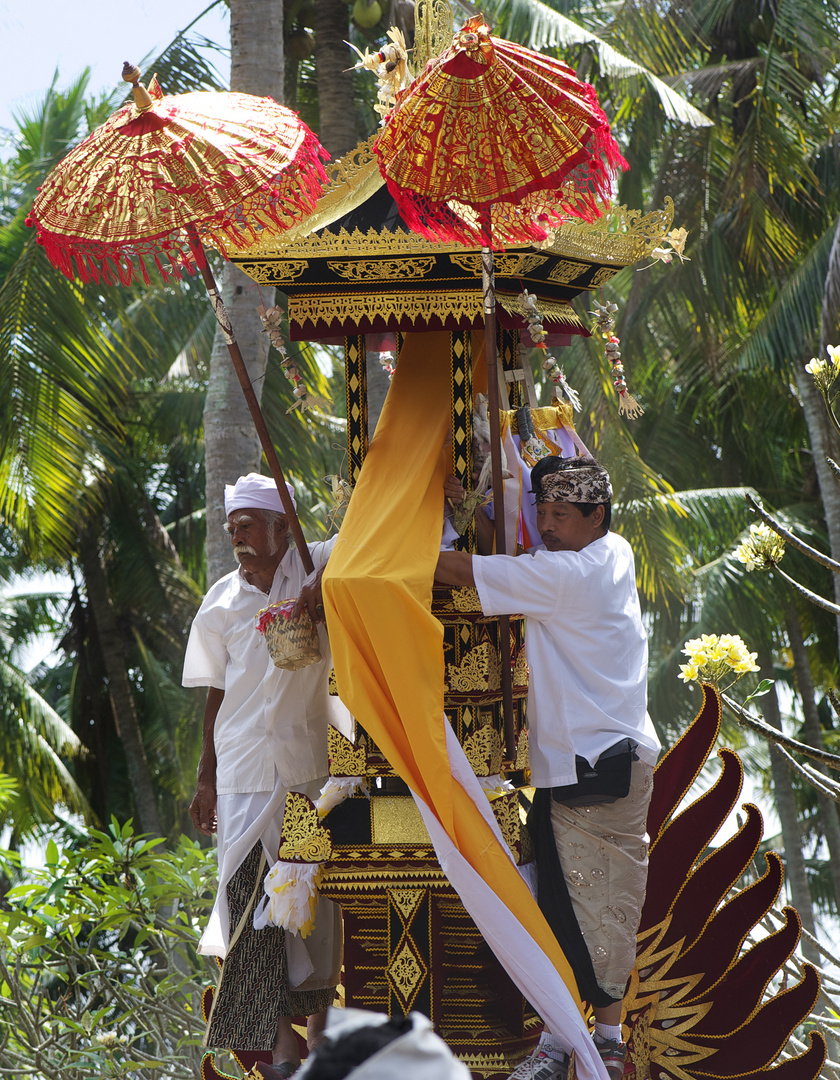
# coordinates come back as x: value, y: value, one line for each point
x: 715, y: 347
x: 38, y: 749
x: 73, y: 364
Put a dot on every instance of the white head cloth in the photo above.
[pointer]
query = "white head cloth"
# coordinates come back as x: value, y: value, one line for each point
x: 420, y: 1054
x: 255, y: 491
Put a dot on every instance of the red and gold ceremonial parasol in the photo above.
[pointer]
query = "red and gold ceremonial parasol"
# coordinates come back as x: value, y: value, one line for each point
x: 162, y: 177
x: 495, y: 144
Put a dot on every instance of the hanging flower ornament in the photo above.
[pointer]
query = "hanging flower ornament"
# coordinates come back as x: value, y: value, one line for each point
x: 673, y: 244
x: 605, y: 326
x: 272, y: 320
x: 341, y: 491
x: 388, y: 360
x: 713, y: 659
x: 762, y: 549
x: 553, y: 371
x: 390, y: 65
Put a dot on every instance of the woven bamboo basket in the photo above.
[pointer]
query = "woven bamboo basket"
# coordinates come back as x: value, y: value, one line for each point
x: 291, y: 645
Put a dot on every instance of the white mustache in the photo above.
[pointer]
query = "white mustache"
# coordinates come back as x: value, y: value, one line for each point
x: 243, y: 549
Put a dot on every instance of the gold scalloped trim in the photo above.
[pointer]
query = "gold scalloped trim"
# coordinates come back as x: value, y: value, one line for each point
x: 552, y: 311
x: 342, y: 244
x: 359, y: 306
x: 459, y: 304
x: 622, y: 238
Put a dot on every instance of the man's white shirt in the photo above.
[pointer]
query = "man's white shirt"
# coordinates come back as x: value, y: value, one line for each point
x: 586, y: 649
x: 272, y: 723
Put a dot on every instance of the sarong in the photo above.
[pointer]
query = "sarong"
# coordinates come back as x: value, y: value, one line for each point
x: 254, y: 989
x: 592, y: 872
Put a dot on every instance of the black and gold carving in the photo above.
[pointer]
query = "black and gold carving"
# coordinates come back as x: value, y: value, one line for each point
x: 303, y: 839
x: 355, y: 359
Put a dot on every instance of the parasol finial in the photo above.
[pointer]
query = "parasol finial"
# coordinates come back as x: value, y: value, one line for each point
x: 131, y: 74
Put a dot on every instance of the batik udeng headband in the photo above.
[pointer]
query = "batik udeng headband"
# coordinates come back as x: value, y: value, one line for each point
x: 589, y: 484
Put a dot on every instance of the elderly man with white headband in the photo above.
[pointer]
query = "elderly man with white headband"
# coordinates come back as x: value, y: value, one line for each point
x: 265, y: 733
x: 592, y: 744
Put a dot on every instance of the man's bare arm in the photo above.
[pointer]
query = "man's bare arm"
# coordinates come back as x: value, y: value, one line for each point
x: 455, y: 568
x: 203, y: 805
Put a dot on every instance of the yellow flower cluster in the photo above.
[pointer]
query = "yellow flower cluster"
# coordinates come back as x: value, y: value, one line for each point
x: 762, y: 549
x: 712, y: 659
x: 825, y: 371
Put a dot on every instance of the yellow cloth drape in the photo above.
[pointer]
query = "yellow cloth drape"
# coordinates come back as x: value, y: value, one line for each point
x: 386, y: 645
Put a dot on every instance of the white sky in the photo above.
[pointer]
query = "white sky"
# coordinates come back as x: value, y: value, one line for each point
x: 39, y: 36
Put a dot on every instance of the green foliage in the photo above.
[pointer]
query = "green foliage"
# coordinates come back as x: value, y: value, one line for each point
x: 99, y: 975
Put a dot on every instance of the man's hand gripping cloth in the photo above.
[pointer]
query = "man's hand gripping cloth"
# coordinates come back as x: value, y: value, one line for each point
x: 388, y: 656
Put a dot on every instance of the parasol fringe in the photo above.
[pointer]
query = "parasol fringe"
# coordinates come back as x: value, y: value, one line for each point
x: 162, y: 270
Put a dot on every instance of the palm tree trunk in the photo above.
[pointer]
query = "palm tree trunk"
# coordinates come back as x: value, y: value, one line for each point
x: 813, y: 736
x: 337, y: 126
x: 119, y: 688
x: 824, y: 445
x: 230, y: 441
x: 785, y: 802
x: 822, y: 436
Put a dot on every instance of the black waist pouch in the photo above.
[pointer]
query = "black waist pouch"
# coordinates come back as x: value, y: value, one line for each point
x: 605, y: 781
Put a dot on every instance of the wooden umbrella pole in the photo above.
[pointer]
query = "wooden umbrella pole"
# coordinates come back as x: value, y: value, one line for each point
x: 488, y: 285
x: 267, y: 445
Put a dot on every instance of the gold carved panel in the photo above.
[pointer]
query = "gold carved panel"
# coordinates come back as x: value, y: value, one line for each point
x: 567, y: 271
x: 479, y: 670
x: 406, y: 971
x: 466, y: 599
x: 346, y: 759
x: 506, y: 812
x: 281, y: 272
x: 484, y: 751
x: 602, y: 276
x: 504, y: 265
x: 383, y: 269
x: 303, y: 838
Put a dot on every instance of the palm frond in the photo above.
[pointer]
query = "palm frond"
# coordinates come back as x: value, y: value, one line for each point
x: 541, y: 27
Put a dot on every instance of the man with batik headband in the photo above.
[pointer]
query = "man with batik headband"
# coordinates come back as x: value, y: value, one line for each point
x: 265, y: 732
x: 592, y: 744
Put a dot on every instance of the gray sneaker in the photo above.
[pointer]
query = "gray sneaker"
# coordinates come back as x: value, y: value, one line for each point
x: 539, y: 1066
x: 614, y: 1055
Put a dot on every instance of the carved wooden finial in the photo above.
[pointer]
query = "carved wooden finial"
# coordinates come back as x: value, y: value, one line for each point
x: 131, y: 74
